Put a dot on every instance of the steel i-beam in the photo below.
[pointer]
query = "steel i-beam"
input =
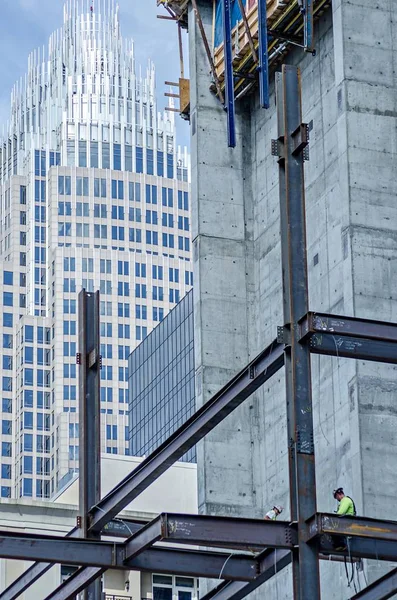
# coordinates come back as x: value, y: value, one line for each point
x: 89, y: 420
x: 290, y: 147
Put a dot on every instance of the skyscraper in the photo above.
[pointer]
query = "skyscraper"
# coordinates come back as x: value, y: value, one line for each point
x: 94, y: 194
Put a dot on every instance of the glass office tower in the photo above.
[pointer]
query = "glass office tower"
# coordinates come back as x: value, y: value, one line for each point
x: 161, y: 381
x: 94, y: 193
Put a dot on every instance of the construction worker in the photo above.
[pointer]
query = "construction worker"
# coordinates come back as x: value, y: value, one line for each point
x: 346, y: 505
x: 274, y: 513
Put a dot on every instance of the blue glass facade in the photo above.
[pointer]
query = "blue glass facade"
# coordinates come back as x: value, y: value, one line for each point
x: 161, y: 382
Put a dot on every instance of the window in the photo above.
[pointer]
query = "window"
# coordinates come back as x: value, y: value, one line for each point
x: 111, y: 432
x: 7, y: 278
x: 27, y: 486
x: 140, y: 270
x: 167, y: 219
x: 6, y: 405
x: 135, y: 235
x: 135, y: 214
x: 82, y: 186
x: 168, y: 240
x: 174, y: 275
x: 6, y: 449
x: 141, y: 311
x: 167, y: 587
x: 149, y: 162
x: 99, y: 188
x: 7, y: 384
x: 105, y: 155
x: 123, y: 288
x: 82, y: 154
x: 151, y: 194
x: 28, y: 465
x: 160, y: 164
x: 7, y: 362
x: 117, y: 157
x: 28, y: 442
x: 82, y: 209
x: 28, y: 398
x: 29, y: 333
x: 152, y: 237
x: 94, y: 155
x: 7, y: 340
x: 64, y: 185
x: 174, y: 295
x: 124, y: 331
x: 170, y: 166
x: 117, y: 189
x: 118, y: 212
x: 8, y: 299
x: 140, y: 290
x: 22, y: 194
x: 139, y: 159
x: 6, y: 471
x: 88, y: 265
x: 128, y: 158
x: 157, y: 272
x: 158, y: 293
x: 158, y: 313
x: 6, y: 427
x: 123, y: 310
x: 123, y: 267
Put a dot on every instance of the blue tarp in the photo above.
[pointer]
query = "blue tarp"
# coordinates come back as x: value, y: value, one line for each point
x: 236, y: 16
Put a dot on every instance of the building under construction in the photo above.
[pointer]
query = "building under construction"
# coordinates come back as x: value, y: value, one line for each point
x: 294, y: 247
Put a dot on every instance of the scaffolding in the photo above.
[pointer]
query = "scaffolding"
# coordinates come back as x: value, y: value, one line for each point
x: 249, y: 40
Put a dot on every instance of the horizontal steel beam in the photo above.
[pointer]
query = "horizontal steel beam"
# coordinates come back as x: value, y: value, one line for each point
x: 55, y: 549
x: 122, y: 528
x: 350, y: 337
x: 360, y: 548
x: 228, y: 532
x: 383, y: 588
x: 353, y: 347
x: 218, y: 532
x: 315, y: 322
x: 202, y: 422
x: 109, y: 555
x: 196, y: 563
x: 362, y: 527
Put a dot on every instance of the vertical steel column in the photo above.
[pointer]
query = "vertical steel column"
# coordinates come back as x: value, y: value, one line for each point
x: 263, y: 55
x: 89, y: 419
x: 229, y: 78
x: 292, y: 140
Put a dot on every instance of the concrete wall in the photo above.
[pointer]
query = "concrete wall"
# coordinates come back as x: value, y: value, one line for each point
x: 349, y: 92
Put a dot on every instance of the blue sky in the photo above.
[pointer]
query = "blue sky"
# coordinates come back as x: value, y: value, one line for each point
x: 27, y: 24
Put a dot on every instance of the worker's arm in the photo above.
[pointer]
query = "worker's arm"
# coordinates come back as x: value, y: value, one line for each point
x: 344, y: 506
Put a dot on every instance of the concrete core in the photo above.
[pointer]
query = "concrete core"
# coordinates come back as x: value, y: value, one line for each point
x: 350, y: 97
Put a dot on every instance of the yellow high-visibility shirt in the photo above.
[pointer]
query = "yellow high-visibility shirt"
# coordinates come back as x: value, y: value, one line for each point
x: 346, y: 507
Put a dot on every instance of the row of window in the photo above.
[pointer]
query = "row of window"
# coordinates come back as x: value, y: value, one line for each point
x: 118, y: 191
x: 105, y: 265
